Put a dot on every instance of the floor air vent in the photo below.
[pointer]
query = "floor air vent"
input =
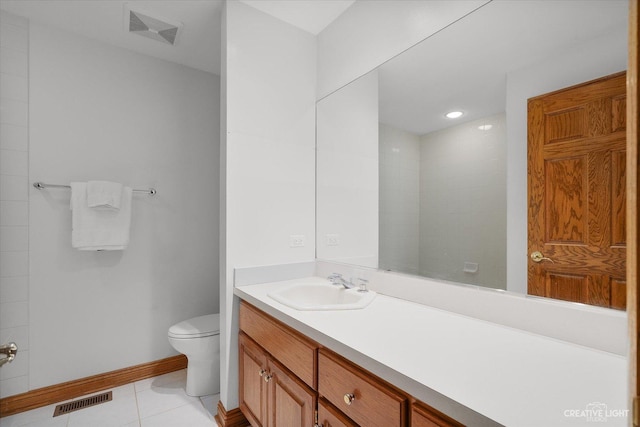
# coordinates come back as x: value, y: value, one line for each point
x: 76, y: 405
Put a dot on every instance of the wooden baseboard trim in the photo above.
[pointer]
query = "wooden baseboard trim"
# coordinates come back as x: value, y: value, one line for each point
x: 232, y: 418
x: 83, y: 386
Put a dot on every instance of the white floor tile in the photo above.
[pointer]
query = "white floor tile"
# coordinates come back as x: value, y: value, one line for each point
x: 43, y: 414
x: 15, y: 421
x: 118, y: 412
x: 163, y: 398
x: 193, y: 415
x: 124, y: 390
x: 159, y: 401
x: 161, y: 380
x: 210, y: 403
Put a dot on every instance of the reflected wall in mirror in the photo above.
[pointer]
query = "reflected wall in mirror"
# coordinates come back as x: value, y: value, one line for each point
x: 443, y: 202
x: 401, y: 187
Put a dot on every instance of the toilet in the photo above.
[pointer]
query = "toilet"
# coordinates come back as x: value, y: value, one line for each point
x: 199, y: 339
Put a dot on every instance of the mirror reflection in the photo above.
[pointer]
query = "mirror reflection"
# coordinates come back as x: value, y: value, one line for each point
x: 443, y: 202
x: 402, y: 187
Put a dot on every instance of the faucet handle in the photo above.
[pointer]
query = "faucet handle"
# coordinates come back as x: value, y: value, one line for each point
x: 362, y: 284
x: 335, y: 278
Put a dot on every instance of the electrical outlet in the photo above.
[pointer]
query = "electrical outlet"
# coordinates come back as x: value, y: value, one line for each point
x: 333, y: 239
x: 296, y: 240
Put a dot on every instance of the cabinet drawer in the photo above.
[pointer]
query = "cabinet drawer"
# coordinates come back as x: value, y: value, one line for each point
x: 292, y: 349
x: 425, y: 416
x: 328, y: 416
x: 373, y: 402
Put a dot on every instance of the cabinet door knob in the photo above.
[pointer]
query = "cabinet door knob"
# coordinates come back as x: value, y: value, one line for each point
x: 262, y: 372
x: 267, y: 378
x: 349, y: 398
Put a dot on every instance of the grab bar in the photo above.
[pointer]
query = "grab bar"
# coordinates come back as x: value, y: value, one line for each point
x: 10, y: 350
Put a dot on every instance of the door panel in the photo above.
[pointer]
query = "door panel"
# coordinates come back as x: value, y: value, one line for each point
x: 252, y: 388
x: 566, y: 125
x: 577, y: 196
x: 619, y: 197
x: 292, y: 403
x: 567, y: 287
x: 618, y: 294
x: 619, y: 113
x: 565, y: 189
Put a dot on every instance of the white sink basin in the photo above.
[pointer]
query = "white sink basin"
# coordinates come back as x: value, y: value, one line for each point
x: 317, y: 296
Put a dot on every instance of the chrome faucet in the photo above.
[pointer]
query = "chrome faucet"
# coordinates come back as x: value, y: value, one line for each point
x: 338, y: 280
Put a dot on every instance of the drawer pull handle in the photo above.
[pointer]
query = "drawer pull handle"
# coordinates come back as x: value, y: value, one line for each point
x: 349, y: 398
x: 267, y: 378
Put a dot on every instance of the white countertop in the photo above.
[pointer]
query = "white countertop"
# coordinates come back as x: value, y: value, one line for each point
x: 512, y: 377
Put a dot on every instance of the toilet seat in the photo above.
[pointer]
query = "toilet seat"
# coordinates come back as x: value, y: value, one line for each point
x: 197, y: 327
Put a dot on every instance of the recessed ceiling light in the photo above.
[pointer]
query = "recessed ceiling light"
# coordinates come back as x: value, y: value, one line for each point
x: 453, y: 114
x: 485, y: 127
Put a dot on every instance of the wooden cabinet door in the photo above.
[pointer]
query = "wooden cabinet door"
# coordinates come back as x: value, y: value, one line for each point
x: 252, y: 386
x: 577, y: 195
x: 291, y: 402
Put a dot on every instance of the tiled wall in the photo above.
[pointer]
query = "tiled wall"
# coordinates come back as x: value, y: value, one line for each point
x: 463, y: 203
x: 14, y: 204
x: 443, y: 202
x: 399, y: 200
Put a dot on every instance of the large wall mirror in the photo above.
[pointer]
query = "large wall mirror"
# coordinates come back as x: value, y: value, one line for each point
x: 402, y: 187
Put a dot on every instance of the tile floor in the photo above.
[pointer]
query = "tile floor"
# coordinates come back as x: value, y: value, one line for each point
x: 154, y: 402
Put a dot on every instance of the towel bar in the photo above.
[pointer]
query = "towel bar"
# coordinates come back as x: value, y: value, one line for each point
x: 41, y: 185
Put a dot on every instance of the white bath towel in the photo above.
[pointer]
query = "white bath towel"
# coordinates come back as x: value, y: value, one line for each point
x: 99, y: 229
x: 104, y: 194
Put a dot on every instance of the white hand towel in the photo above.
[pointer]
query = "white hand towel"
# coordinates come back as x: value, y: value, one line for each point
x: 99, y: 229
x: 104, y: 194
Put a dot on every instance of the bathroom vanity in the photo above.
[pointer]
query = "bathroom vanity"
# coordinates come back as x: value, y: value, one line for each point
x: 400, y: 363
x: 288, y: 379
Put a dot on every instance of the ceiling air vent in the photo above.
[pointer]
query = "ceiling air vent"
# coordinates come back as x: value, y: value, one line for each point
x: 153, y: 28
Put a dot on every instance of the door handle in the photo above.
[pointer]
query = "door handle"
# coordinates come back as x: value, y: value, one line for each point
x: 538, y: 257
x: 10, y: 350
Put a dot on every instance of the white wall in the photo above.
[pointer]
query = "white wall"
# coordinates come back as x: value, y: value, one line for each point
x: 347, y: 174
x: 399, y: 227
x: 100, y: 112
x: 463, y: 203
x: 597, y: 58
x: 372, y: 32
x: 269, y: 79
x: 14, y: 205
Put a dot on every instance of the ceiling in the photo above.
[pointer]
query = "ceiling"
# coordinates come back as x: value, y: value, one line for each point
x: 198, y: 45
x: 415, y: 88
x: 464, y: 67
x: 312, y: 16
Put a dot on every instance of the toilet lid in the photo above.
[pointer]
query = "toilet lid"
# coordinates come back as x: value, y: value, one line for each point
x: 198, y: 327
